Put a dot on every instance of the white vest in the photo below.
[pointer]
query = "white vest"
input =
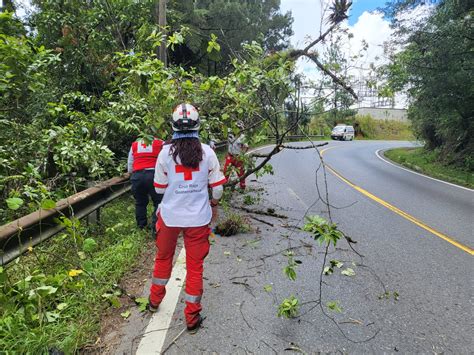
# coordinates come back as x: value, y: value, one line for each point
x: 186, y: 199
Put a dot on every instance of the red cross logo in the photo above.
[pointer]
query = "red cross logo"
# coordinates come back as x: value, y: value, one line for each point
x: 188, y: 172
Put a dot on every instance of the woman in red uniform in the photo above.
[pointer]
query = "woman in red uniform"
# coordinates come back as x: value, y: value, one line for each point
x: 184, y: 170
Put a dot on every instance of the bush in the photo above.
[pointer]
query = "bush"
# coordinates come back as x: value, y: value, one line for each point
x: 318, y: 125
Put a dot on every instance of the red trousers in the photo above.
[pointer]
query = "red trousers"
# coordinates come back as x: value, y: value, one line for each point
x: 196, y: 243
x: 238, y: 164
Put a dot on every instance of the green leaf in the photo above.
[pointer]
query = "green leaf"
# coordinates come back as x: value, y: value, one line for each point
x: 289, y: 308
x: 142, y: 303
x: 290, y: 272
x: 268, y: 288
x: 334, y: 306
x: 114, y: 300
x: 48, y: 204
x: 125, y: 314
x: 348, y: 272
x: 89, y: 245
x: 14, y: 203
x: 327, y: 270
x: 61, y: 306
x: 52, y: 316
x: 46, y: 290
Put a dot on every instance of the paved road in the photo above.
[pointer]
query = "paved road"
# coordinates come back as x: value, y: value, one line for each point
x: 416, y: 236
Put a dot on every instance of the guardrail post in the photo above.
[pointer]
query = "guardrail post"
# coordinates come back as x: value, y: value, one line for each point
x: 94, y: 216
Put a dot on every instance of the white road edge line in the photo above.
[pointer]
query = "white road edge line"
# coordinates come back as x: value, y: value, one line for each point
x: 157, y: 329
x: 154, y: 338
x: 259, y: 148
x: 377, y: 153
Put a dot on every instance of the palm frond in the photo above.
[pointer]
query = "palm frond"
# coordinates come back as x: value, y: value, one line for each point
x: 339, y: 10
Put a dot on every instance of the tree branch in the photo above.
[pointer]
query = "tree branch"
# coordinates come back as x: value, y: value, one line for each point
x: 340, y: 82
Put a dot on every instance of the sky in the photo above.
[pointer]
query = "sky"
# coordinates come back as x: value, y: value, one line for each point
x: 360, y: 6
x: 307, y: 15
x: 365, y: 23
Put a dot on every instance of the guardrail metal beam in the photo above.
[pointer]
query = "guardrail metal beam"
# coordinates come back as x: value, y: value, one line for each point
x: 17, y: 236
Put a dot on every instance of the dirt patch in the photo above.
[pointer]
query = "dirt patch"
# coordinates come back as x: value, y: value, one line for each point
x: 132, y: 285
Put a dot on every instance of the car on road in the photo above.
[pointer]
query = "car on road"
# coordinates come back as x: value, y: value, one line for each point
x: 343, y: 133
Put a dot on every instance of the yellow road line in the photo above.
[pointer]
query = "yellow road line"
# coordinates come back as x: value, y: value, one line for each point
x: 326, y: 149
x: 399, y: 211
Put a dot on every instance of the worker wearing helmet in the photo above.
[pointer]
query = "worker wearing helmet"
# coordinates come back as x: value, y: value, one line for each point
x: 141, y: 164
x: 236, y: 147
x: 184, y: 170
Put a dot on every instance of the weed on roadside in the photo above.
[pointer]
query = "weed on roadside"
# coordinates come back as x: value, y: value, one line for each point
x: 53, y: 297
x: 232, y: 224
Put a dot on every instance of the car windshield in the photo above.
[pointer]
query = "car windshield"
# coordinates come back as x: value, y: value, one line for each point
x: 339, y: 128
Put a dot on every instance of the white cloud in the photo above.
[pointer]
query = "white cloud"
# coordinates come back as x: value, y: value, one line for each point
x: 370, y: 27
x: 373, y: 29
x: 307, y: 18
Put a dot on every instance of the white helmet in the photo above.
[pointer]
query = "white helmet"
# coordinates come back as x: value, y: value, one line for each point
x: 185, y: 118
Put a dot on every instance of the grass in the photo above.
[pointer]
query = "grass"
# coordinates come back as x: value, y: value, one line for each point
x: 53, y: 298
x: 383, y: 129
x: 367, y: 127
x: 427, y: 162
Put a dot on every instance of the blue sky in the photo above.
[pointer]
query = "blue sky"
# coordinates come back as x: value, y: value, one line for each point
x: 359, y: 6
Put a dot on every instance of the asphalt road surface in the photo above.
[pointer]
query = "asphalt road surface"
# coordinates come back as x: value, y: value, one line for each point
x: 412, y: 291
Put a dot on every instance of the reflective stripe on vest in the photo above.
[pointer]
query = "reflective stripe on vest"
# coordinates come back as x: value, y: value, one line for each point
x: 160, y: 282
x: 191, y: 298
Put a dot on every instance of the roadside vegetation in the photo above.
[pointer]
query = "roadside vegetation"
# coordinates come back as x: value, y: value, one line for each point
x: 435, y: 70
x: 430, y: 163
x: 53, y: 297
x: 369, y: 128
x: 81, y: 81
x: 366, y: 127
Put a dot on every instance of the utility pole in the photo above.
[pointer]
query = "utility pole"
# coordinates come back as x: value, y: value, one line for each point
x: 162, y: 25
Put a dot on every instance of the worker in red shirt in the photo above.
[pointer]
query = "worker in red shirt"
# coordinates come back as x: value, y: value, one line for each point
x: 236, y: 148
x: 184, y: 170
x: 141, y: 164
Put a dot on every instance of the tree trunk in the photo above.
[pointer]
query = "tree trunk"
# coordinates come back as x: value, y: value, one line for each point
x: 161, y: 14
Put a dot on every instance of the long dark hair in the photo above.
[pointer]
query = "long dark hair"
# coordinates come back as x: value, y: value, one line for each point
x: 189, y: 151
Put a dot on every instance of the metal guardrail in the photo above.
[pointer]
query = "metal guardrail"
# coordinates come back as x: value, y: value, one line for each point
x: 222, y: 145
x: 303, y: 136
x: 17, y: 236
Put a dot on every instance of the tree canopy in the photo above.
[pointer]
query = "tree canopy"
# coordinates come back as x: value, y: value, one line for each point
x: 84, y: 81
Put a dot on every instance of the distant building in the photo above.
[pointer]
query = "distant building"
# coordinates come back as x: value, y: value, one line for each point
x: 382, y: 113
x: 7, y: 5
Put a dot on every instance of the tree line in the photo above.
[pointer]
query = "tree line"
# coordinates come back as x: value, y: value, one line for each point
x: 436, y: 67
x: 80, y: 81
